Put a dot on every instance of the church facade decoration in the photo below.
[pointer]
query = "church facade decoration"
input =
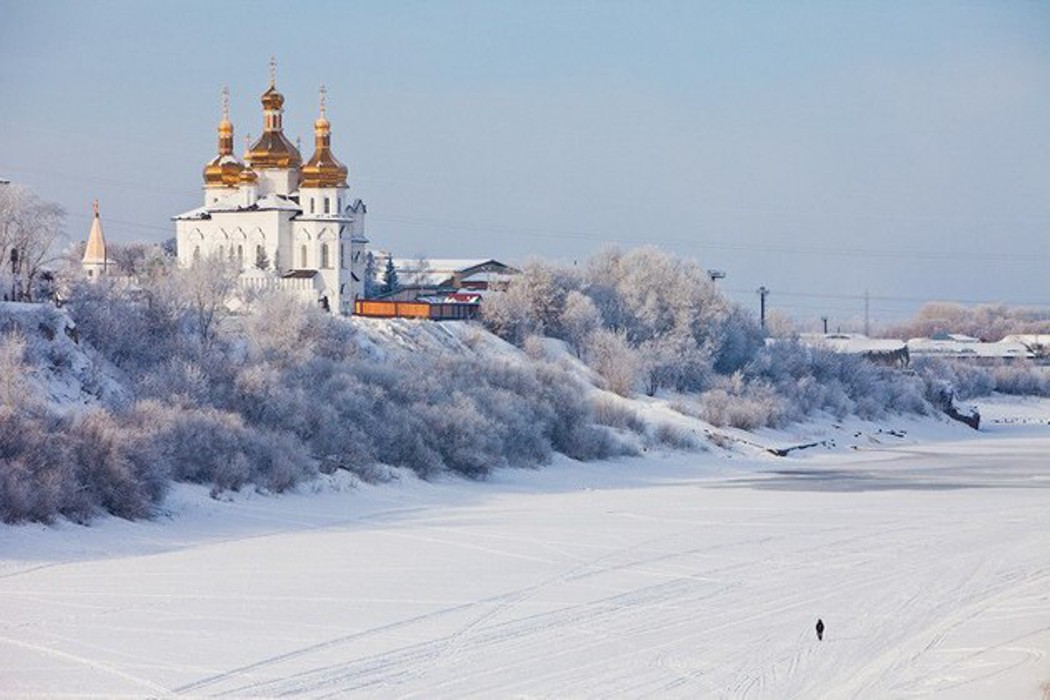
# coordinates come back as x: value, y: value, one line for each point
x: 284, y: 224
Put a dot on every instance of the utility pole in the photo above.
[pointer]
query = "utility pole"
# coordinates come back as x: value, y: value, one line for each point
x: 825, y: 320
x: 762, y: 294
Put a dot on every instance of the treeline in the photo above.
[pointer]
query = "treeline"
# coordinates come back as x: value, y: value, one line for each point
x: 988, y: 322
x: 645, y: 321
x: 183, y: 391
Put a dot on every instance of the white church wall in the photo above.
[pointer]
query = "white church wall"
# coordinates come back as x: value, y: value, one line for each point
x: 278, y: 181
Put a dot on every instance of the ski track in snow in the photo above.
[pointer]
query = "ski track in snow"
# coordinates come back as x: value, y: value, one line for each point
x: 681, y: 587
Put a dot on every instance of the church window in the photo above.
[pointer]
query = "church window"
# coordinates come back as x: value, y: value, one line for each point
x: 342, y: 256
x: 196, y: 253
x: 240, y: 255
x: 324, y: 255
x: 222, y: 252
x: 311, y: 205
x: 302, y: 253
x: 326, y: 205
x: 338, y: 203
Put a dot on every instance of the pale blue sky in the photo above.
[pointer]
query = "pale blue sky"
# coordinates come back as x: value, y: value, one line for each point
x: 818, y: 148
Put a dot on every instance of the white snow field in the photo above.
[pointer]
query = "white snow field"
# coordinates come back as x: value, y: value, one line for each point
x: 926, y: 554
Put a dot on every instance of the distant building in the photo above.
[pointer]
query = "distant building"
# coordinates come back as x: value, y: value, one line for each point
x: 94, y: 263
x: 426, y: 278
x: 438, y: 289
x: 965, y: 347
x: 286, y: 224
x: 884, y: 351
x: 1037, y: 343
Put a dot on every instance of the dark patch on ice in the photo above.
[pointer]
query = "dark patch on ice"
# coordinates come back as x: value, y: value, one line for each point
x: 842, y: 480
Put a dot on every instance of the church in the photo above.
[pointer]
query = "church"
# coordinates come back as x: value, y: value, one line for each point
x: 285, y: 224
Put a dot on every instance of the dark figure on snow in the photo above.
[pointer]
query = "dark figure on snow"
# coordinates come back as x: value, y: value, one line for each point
x: 820, y: 629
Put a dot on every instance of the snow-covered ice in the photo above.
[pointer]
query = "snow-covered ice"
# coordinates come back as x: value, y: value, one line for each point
x: 926, y: 551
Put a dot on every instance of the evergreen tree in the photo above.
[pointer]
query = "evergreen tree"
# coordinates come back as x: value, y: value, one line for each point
x: 371, y: 284
x: 390, y: 283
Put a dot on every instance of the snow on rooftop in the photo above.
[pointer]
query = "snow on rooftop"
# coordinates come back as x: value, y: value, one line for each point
x: 965, y: 346
x: 853, y: 343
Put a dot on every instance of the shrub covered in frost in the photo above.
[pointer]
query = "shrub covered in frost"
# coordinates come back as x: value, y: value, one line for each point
x: 964, y: 379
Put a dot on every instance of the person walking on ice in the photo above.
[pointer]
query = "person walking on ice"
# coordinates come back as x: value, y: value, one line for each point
x: 820, y: 629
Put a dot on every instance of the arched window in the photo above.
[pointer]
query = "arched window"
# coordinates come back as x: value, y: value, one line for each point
x: 326, y: 204
x: 302, y: 253
x: 260, y: 257
x: 196, y: 253
x: 342, y: 256
x: 311, y: 205
x: 338, y: 204
x: 222, y: 252
x: 324, y: 256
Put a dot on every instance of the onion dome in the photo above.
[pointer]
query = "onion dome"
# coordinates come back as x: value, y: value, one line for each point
x: 224, y: 169
x: 248, y: 177
x: 323, y: 169
x: 273, y: 149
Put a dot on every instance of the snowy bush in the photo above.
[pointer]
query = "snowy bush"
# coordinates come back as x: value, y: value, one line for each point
x: 811, y: 379
x: 75, y: 467
x: 966, y: 380
x: 754, y: 408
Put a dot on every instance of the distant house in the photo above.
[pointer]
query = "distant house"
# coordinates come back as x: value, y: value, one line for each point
x: 965, y: 347
x: 886, y: 351
x: 476, y: 274
x: 1037, y: 343
x: 438, y: 289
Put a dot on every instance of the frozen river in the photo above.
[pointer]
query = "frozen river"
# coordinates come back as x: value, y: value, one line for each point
x: 676, y: 575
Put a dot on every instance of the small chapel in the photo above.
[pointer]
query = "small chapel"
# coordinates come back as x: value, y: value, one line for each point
x: 285, y: 224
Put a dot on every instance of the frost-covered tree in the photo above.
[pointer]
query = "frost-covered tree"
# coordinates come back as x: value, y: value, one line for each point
x: 208, y: 284
x: 371, y: 286
x: 613, y: 358
x: 12, y: 368
x: 989, y: 322
x: 29, y: 230
x: 419, y: 275
x: 579, y: 318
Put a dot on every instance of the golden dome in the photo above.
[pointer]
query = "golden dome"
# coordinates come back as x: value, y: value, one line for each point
x: 224, y: 169
x: 273, y: 149
x: 248, y: 176
x: 323, y: 169
x: 271, y: 99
